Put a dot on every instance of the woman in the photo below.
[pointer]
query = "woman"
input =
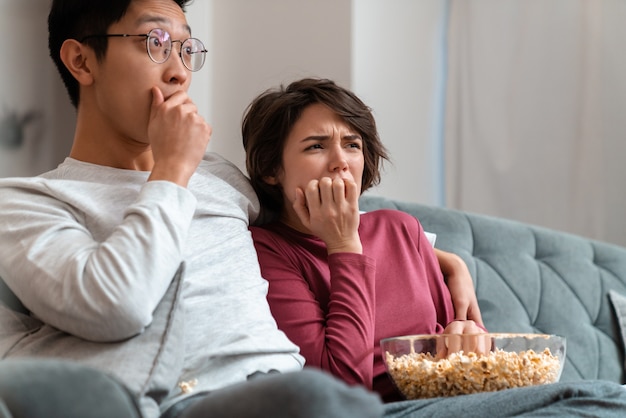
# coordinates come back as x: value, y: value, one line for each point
x: 339, y: 280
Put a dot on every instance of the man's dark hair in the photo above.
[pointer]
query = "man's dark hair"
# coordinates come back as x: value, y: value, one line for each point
x: 270, y: 117
x: 75, y: 19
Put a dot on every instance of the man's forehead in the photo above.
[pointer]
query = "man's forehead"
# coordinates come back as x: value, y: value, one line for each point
x: 165, y: 13
x: 161, y: 20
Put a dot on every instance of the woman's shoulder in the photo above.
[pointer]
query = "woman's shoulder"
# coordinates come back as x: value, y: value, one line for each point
x: 268, y: 232
x: 390, y: 216
x: 390, y: 220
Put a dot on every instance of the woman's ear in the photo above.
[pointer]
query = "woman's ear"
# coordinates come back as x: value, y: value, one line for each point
x: 74, y: 55
x: 271, y: 180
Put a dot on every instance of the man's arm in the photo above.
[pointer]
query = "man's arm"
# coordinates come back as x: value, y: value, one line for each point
x: 461, y: 285
x: 80, y: 268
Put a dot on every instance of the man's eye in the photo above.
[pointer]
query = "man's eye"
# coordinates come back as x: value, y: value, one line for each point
x: 155, y: 42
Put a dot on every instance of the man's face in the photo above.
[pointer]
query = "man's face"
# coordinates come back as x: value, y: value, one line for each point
x: 124, y: 79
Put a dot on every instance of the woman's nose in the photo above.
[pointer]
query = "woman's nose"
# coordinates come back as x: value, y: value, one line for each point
x: 338, y: 160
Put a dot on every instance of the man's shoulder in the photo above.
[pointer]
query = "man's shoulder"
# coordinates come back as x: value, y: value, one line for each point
x: 22, y: 184
x: 217, y: 164
x: 221, y: 185
x: 74, y: 176
x: 217, y: 168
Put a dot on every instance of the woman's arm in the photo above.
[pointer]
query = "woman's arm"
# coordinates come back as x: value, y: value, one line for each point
x: 326, y: 309
x: 459, y: 281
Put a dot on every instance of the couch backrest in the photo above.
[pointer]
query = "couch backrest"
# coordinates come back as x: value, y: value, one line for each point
x: 538, y: 280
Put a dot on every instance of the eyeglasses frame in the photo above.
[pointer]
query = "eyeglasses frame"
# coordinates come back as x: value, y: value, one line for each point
x: 147, y: 36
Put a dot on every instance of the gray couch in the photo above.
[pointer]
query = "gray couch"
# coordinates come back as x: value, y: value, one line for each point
x: 533, y: 279
x: 528, y: 279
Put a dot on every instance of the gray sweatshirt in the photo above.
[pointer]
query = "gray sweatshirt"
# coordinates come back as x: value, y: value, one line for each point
x: 92, y: 251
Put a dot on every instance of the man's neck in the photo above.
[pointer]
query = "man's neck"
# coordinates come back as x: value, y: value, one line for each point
x: 97, y: 143
x: 138, y: 160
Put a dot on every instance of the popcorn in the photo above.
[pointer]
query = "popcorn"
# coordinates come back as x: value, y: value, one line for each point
x: 421, y: 375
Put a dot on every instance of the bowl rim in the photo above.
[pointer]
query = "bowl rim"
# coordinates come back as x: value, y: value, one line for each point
x: 414, y: 337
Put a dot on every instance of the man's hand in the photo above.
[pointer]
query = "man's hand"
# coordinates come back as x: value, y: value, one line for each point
x: 461, y: 286
x: 178, y: 137
x: 474, y: 340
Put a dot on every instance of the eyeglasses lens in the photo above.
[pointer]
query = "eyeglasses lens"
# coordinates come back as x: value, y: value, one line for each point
x: 159, y: 45
x: 193, y: 54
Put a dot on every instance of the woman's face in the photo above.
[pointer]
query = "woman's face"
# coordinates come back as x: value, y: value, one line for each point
x: 319, y: 145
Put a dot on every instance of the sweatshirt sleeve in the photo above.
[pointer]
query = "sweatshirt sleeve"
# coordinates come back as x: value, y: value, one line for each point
x: 336, y: 335
x: 100, y: 288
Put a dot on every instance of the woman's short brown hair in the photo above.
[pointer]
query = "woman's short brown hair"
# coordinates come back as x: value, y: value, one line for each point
x: 270, y: 117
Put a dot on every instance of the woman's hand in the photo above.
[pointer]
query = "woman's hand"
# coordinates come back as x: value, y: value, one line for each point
x: 329, y: 208
x: 461, y: 286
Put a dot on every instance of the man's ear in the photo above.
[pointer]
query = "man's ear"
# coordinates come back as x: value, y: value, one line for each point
x: 74, y: 55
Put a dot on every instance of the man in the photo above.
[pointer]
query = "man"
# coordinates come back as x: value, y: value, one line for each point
x: 133, y: 256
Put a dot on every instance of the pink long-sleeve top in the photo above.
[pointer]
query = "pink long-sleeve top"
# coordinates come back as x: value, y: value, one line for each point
x: 337, y: 308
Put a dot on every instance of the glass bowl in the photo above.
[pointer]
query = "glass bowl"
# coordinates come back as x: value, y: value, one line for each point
x: 428, y: 366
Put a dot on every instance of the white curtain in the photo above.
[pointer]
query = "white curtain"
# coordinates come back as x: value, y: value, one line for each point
x: 536, y: 113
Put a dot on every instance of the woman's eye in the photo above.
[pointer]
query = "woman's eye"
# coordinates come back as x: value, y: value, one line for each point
x: 315, y: 146
x: 354, y: 145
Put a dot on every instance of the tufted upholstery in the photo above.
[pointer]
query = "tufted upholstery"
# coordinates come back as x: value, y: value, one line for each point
x: 533, y: 279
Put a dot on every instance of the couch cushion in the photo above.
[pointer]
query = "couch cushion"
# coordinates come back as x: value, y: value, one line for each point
x: 534, y: 279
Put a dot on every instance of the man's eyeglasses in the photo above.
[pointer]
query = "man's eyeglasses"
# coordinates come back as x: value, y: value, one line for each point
x: 159, y: 47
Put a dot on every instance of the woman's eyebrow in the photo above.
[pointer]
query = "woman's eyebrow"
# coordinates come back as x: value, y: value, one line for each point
x: 315, y: 138
x: 348, y: 137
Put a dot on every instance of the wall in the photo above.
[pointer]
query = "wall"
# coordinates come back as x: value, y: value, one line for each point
x: 389, y: 54
x: 36, y: 119
x: 562, y: 151
x: 257, y: 45
x: 385, y: 52
x: 397, y: 70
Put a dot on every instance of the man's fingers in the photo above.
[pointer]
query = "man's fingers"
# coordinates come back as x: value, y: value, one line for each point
x: 474, y: 315
x: 157, y: 96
